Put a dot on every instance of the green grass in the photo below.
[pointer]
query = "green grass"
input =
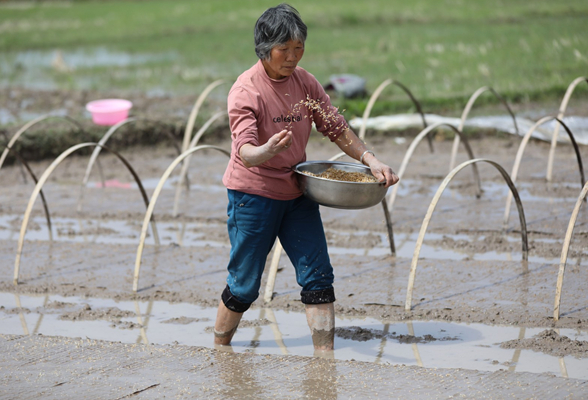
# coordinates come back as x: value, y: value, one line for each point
x: 442, y: 50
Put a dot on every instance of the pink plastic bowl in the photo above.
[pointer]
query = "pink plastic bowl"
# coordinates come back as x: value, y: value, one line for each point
x: 109, y: 111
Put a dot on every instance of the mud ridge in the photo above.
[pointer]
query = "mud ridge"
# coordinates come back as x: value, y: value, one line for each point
x: 360, y: 334
x: 550, y: 342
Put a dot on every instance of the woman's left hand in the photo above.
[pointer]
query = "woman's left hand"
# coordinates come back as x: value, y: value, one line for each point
x: 353, y: 147
x: 382, y: 172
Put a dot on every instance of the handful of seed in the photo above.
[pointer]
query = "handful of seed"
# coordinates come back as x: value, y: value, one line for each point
x: 335, y: 174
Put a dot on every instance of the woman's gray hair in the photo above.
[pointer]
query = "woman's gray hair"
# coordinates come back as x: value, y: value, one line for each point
x: 276, y: 26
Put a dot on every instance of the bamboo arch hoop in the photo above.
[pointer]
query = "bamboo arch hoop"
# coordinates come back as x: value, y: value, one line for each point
x: 42, y: 181
x: 97, y: 149
x: 155, y: 196
x: 466, y: 112
x: 521, y: 150
x: 186, y: 142
x: 374, y: 97
x: 29, y: 124
x: 34, y: 177
x: 565, y: 249
x: 562, y: 110
x: 273, y: 271
x: 338, y: 156
x: 271, y: 278
x: 448, y: 178
x: 186, y: 163
x: 194, y: 113
x: 412, y: 148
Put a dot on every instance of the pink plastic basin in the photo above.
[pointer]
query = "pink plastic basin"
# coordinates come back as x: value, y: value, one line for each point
x: 109, y: 111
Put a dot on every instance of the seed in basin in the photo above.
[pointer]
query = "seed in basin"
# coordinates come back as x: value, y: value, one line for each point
x: 337, y: 193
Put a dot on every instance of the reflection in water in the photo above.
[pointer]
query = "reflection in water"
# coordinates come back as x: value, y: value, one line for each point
x: 180, y: 232
x: 23, y: 321
x: 517, y: 353
x: 415, y: 348
x: 562, y: 367
x: 562, y: 364
x: 276, y: 330
x: 440, y: 344
x: 255, y: 340
x: 383, y: 343
x: 142, y: 338
x: 389, y: 277
x: 40, y: 320
x: 22, y: 318
x: 83, y: 230
x: 145, y: 323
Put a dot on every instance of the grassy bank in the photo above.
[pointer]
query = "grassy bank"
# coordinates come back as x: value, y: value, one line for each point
x: 441, y: 50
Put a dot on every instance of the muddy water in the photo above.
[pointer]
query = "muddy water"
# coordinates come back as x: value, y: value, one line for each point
x: 36, y: 69
x: 197, y: 234
x: 268, y: 331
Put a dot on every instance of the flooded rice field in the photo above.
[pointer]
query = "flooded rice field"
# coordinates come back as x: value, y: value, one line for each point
x: 479, y: 310
x: 431, y: 344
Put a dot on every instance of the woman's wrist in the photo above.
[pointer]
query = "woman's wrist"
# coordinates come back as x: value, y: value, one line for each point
x: 363, y: 156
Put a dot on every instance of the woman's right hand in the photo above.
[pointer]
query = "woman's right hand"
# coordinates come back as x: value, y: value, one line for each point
x: 255, y: 155
x: 279, y: 142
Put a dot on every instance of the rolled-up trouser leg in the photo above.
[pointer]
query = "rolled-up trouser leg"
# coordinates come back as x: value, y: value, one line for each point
x: 232, y: 303
x: 321, y: 296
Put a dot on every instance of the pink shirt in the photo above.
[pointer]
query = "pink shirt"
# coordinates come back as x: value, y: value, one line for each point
x: 260, y: 107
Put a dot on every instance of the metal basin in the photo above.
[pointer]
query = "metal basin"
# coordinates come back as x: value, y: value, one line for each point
x: 339, y: 194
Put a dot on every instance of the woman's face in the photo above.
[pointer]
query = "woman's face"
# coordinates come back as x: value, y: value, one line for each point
x: 283, y: 59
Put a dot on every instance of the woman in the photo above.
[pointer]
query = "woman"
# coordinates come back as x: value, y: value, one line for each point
x: 271, y: 108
